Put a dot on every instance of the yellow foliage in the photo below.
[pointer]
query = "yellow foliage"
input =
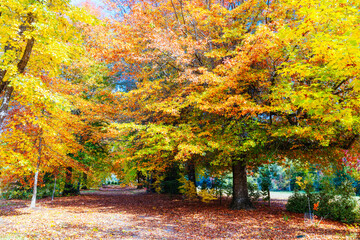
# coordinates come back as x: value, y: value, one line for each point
x: 157, y: 183
x: 187, y: 188
x: 302, y: 184
x: 207, y: 195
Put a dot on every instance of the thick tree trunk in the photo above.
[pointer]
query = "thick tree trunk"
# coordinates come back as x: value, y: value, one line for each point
x: 26, y: 55
x: 241, y: 198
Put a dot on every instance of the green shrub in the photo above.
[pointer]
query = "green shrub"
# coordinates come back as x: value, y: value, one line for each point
x: 344, y: 210
x: 299, y: 202
x: 17, y: 194
x: 20, y: 192
x: 338, y: 203
x: 16, y: 191
x: 335, y: 203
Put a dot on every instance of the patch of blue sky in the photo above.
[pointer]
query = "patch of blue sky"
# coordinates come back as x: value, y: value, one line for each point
x: 105, y: 11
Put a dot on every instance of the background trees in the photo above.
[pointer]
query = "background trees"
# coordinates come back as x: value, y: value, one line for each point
x: 49, y: 90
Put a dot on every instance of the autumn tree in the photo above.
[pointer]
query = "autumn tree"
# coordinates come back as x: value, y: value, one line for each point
x: 167, y: 61
x: 48, y: 73
x: 294, y: 97
x: 242, y: 82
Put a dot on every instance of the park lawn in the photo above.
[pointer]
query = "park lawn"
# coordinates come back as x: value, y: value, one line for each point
x: 128, y: 213
x: 280, y: 195
x: 284, y: 195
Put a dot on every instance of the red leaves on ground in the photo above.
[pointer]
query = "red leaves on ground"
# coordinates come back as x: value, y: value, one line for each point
x: 133, y: 214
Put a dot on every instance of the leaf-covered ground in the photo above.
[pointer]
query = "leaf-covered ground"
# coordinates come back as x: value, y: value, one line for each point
x: 128, y: 213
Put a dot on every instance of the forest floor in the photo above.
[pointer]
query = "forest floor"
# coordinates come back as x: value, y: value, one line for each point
x: 127, y: 213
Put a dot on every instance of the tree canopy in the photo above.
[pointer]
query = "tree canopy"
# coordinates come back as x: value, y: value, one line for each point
x: 217, y: 85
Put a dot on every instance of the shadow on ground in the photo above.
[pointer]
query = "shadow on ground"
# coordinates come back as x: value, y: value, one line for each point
x: 174, y: 218
x: 11, y: 208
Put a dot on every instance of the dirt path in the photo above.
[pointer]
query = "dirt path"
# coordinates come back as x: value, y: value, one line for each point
x: 132, y: 214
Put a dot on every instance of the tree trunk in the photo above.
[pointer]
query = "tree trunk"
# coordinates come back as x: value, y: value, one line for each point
x: 150, y: 182
x: 190, y: 168
x: 241, y: 198
x: 53, y: 193
x: 33, y: 200
x: 69, y: 188
x: 6, y: 100
x: 79, y: 185
x: 84, y: 185
x: 140, y: 180
x: 4, y: 85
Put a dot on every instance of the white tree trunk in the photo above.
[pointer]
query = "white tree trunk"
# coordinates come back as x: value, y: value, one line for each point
x: 33, y: 200
x: 5, y: 101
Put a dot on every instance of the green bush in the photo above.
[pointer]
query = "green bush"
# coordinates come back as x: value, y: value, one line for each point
x: 335, y: 203
x: 17, y: 194
x: 340, y: 209
x: 299, y: 202
x: 338, y: 203
x: 18, y: 191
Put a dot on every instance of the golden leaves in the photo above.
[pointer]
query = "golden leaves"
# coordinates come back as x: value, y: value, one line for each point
x: 46, y: 95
